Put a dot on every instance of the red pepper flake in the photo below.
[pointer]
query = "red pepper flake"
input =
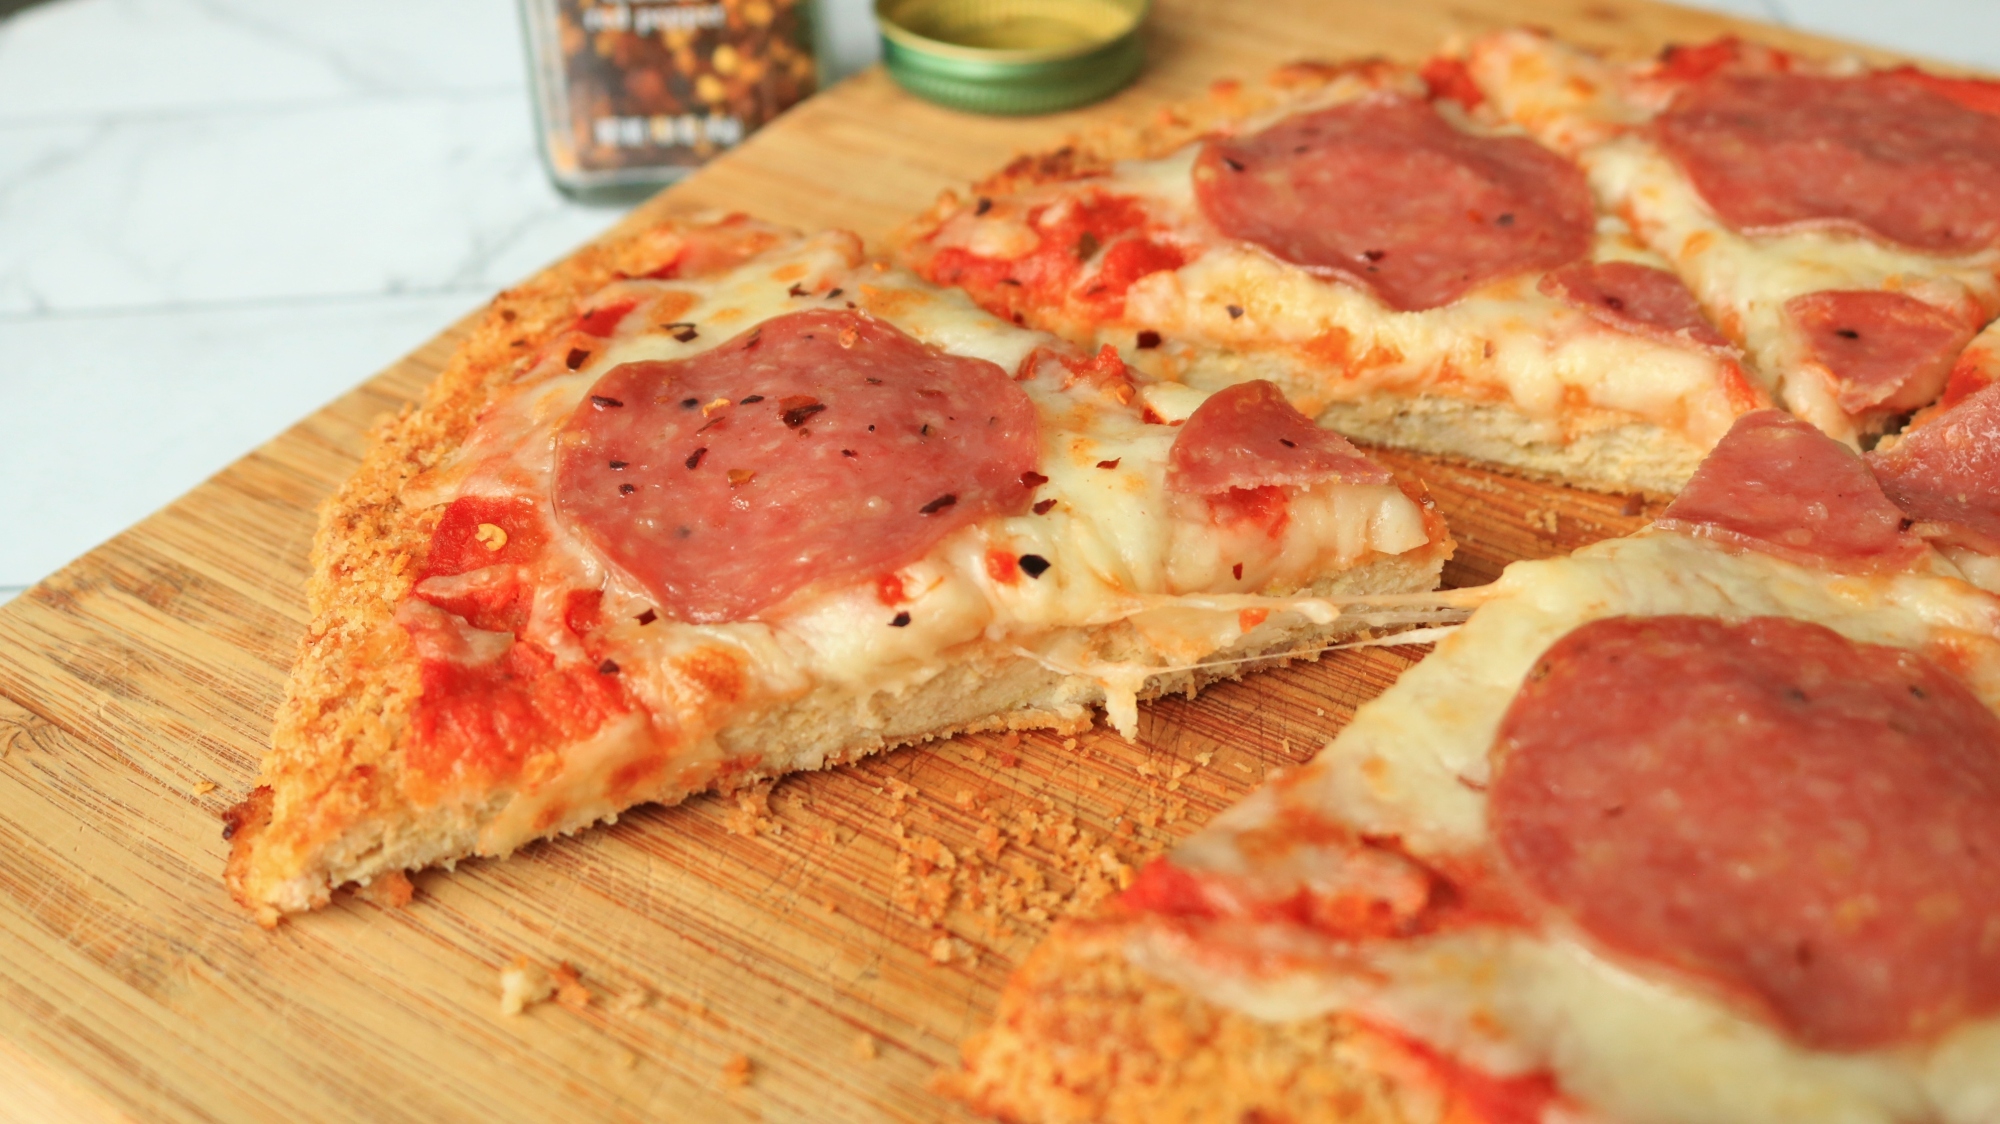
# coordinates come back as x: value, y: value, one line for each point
x: 889, y: 589
x: 694, y: 458
x: 1034, y: 565
x: 1234, y: 165
x: 984, y: 206
x: 648, y: 617
x: 604, y: 321
x: 607, y: 668
x: 1235, y: 311
x: 1148, y: 340
x: 682, y: 330
x: 1033, y: 479
x: 848, y: 453
x: 690, y: 403
x: 1086, y: 246
x: 938, y: 504
x: 797, y: 409
x: 604, y: 403
x: 1112, y: 463
x: 900, y: 620
x: 1043, y: 507
x: 834, y: 293
x: 797, y: 290
x: 749, y: 400
x: 1237, y: 570
x: 1288, y: 443
x: 626, y: 489
x: 577, y: 356
x: 616, y: 465
x: 741, y: 476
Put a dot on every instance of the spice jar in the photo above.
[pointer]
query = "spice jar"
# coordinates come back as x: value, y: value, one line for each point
x: 632, y: 94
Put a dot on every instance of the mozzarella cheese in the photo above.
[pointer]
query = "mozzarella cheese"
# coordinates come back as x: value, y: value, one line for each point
x: 1235, y: 312
x: 1120, y: 548
x: 1593, y: 109
x: 1631, y: 1047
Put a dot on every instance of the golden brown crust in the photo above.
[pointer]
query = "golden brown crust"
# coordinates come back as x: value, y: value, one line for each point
x: 1084, y: 1036
x: 332, y: 761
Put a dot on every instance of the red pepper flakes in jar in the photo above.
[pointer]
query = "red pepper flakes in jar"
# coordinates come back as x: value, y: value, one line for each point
x: 636, y: 93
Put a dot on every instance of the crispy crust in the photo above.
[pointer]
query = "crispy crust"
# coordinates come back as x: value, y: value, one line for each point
x: 332, y: 761
x: 1083, y: 1036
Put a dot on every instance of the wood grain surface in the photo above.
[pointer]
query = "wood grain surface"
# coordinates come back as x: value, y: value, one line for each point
x: 831, y: 940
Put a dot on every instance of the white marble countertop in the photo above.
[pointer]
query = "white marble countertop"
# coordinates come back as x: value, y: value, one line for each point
x: 216, y: 215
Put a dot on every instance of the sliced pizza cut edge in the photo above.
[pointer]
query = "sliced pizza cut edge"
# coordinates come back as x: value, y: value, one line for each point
x: 328, y: 811
x: 1127, y: 1016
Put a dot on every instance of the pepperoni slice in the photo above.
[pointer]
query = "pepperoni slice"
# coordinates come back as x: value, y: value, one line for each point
x: 1248, y: 436
x: 1384, y: 192
x: 1875, y: 153
x: 1947, y: 472
x: 818, y: 449
x: 1777, y: 485
x: 1635, y: 298
x: 1812, y: 823
x: 1883, y: 349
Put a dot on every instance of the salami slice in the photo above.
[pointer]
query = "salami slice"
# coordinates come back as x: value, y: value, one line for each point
x: 818, y: 449
x: 1777, y: 485
x: 1883, y: 349
x: 1946, y: 474
x: 1248, y: 436
x: 1810, y: 823
x: 1877, y: 154
x: 1635, y: 298
x: 1385, y: 193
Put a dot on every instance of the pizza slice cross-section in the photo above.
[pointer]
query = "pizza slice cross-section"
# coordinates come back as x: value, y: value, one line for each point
x: 718, y: 502
x: 1700, y: 826
x: 1407, y: 273
x: 1841, y: 224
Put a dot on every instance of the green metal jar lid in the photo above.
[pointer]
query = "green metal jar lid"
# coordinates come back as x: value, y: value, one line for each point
x: 1012, y: 56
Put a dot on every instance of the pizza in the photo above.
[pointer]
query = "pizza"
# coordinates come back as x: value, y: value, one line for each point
x: 1699, y: 826
x: 1409, y: 272
x: 717, y: 501
x: 1841, y: 224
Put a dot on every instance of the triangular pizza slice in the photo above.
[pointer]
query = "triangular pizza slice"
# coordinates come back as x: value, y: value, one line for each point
x: 1700, y: 826
x: 715, y: 502
x: 1409, y: 274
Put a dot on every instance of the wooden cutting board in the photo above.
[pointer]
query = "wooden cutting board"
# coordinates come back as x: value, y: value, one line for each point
x: 829, y: 939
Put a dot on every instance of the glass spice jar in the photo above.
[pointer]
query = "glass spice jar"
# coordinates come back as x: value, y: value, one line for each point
x: 632, y: 94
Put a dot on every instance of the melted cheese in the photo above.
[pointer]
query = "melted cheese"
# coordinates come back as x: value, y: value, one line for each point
x: 1118, y: 545
x: 1633, y: 1048
x: 1588, y: 107
x: 1328, y: 341
x: 1744, y: 281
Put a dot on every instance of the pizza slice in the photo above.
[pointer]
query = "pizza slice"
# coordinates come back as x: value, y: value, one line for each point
x: 1409, y: 275
x: 1700, y: 826
x: 716, y: 501
x: 1841, y: 224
